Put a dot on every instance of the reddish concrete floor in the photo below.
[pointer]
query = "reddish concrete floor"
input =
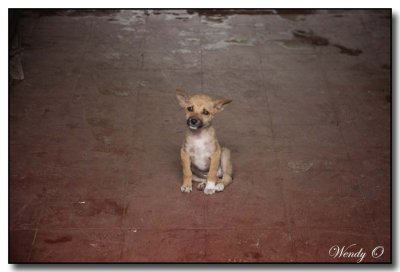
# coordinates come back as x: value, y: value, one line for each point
x: 95, y: 132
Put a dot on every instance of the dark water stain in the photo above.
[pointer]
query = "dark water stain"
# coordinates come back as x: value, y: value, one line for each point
x: 94, y: 12
x: 294, y: 14
x: 59, y: 240
x: 254, y: 255
x: 385, y: 66
x: 46, y: 111
x: 389, y: 98
x: 219, y: 15
x: 182, y: 18
x: 161, y: 12
x: 95, y: 207
x: 178, y: 16
x: 307, y: 38
x: 338, y: 15
x: 227, y: 12
x: 310, y: 37
x: 348, y: 51
x: 287, y: 13
x: 69, y: 12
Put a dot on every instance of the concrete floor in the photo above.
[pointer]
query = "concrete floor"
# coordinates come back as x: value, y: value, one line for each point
x: 95, y: 132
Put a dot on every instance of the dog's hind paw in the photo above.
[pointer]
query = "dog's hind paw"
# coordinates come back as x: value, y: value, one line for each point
x: 201, y: 186
x: 219, y: 187
x: 186, y: 188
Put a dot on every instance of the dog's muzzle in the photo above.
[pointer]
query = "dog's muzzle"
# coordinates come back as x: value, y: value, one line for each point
x: 194, y: 123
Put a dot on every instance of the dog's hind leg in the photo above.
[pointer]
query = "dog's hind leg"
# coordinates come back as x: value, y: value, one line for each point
x: 227, y: 170
x: 202, y: 182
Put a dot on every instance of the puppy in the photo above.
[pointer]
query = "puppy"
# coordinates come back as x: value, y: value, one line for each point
x: 203, y: 160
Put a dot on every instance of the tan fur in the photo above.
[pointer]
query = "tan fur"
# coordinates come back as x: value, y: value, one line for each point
x: 203, y: 160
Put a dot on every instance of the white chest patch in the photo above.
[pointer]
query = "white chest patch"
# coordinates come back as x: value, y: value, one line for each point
x: 200, y: 150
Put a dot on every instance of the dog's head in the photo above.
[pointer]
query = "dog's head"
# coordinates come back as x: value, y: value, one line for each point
x: 200, y: 109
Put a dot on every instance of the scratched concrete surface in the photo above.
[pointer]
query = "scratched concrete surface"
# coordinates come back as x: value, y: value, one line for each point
x: 95, y: 132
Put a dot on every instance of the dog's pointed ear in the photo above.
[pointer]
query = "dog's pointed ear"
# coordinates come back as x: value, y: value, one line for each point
x: 183, y: 98
x: 219, y: 104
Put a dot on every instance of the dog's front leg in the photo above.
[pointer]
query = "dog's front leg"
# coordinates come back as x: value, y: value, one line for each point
x: 212, y: 173
x: 187, y: 172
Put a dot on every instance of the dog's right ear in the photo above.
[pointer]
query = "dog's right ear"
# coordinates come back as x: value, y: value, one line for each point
x: 183, y: 98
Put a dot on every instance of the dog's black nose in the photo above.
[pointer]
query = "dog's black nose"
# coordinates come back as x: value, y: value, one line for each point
x: 194, y: 123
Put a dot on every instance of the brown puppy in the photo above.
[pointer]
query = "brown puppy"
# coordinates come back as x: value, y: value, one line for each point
x: 203, y: 160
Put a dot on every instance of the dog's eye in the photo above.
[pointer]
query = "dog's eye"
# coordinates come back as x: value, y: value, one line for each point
x: 190, y: 108
x: 205, y: 112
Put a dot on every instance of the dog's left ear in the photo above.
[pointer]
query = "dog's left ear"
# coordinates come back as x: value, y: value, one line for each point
x: 219, y: 104
x: 183, y: 98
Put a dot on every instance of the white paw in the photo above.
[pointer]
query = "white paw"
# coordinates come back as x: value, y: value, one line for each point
x: 219, y: 187
x: 186, y: 188
x: 210, y: 188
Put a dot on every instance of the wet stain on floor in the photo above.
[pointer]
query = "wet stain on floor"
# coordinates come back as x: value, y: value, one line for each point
x: 240, y: 41
x: 95, y: 207
x: 253, y: 255
x: 219, y: 15
x: 348, y: 51
x: 59, y: 240
x: 227, y: 12
x: 307, y: 38
x: 71, y: 13
x: 294, y: 14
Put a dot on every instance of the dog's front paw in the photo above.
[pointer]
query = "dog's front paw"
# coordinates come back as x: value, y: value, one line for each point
x: 186, y: 188
x: 210, y: 188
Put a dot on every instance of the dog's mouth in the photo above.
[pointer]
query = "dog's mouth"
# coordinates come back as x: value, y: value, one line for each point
x: 195, y: 127
x: 194, y: 123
